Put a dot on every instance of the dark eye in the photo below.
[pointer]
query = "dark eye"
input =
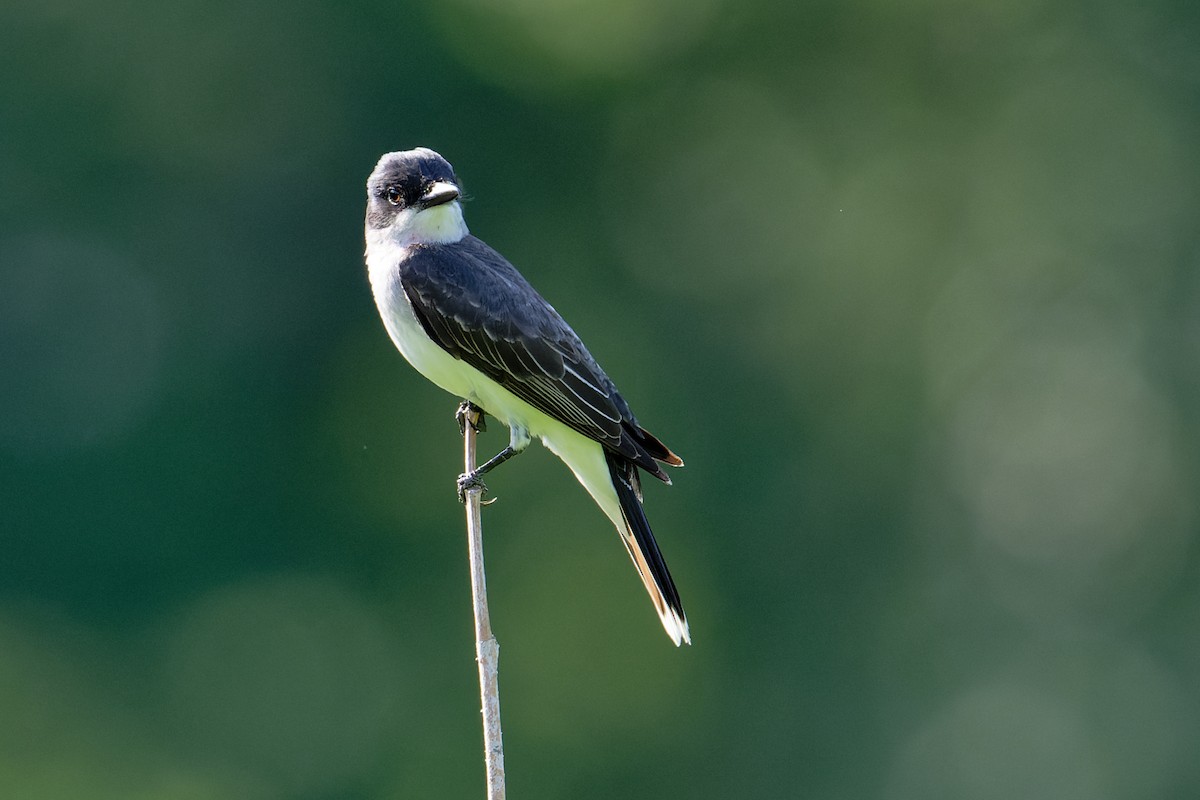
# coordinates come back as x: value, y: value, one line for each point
x: 393, y: 195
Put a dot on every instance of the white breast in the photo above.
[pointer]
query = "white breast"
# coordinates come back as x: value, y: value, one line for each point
x: 406, y: 331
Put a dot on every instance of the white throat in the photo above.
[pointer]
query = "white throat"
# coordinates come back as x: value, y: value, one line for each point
x: 387, y: 247
x: 442, y: 224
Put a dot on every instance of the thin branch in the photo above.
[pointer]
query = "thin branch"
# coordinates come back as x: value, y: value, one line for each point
x: 487, y: 650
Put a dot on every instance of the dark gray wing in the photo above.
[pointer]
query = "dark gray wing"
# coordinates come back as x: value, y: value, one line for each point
x: 478, y: 308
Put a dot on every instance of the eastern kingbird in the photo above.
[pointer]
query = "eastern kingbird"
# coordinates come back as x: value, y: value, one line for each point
x: 469, y: 322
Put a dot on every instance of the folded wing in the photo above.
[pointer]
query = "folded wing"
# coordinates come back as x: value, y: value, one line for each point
x: 478, y: 308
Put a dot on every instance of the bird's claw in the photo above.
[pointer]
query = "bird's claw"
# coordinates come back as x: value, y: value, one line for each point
x: 467, y: 410
x: 469, y: 481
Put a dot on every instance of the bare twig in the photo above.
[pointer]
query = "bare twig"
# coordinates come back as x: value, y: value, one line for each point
x: 487, y: 651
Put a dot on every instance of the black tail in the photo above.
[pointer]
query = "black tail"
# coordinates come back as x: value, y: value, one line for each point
x: 639, y: 541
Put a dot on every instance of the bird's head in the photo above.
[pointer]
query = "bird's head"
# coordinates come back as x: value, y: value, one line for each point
x: 413, y: 195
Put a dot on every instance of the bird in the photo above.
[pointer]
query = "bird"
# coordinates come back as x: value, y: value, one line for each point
x: 467, y: 320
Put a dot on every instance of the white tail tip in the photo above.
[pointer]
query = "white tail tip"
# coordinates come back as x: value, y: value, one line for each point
x: 676, y: 627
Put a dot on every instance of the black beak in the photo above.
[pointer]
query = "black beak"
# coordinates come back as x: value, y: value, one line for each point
x: 439, y: 192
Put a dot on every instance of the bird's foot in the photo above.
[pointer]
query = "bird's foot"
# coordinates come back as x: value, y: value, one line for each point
x: 469, y: 481
x: 469, y: 414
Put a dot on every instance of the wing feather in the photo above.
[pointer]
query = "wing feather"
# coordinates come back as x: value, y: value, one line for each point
x: 478, y: 308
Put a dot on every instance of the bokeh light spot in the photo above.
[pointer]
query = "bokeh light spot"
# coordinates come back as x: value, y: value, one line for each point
x: 541, y: 44
x: 1063, y: 453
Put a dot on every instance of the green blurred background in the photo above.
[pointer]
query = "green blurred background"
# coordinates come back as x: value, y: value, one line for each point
x: 913, y: 288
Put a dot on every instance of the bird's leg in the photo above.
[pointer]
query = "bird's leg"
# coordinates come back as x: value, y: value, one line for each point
x: 474, y: 478
x: 518, y: 441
